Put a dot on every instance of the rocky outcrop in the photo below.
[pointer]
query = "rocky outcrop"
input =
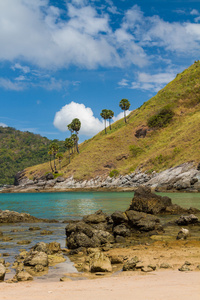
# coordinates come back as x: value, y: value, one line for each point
x: 146, y: 201
x: 7, y: 216
x: 2, y: 272
x: 185, y: 177
x: 187, y: 220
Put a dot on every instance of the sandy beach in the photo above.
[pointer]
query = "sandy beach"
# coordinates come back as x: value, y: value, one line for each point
x: 162, y: 285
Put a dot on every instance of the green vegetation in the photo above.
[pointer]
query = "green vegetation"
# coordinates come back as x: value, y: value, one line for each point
x: 114, y: 173
x: 161, y: 148
x: 161, y: 119
x: 19, y: 150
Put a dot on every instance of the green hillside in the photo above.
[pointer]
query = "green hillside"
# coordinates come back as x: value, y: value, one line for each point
x: 172, y: 136
x: 19, y: 150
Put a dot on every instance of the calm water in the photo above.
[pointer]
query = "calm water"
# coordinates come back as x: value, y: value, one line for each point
x: 73, y: 205
x: 63, y: 206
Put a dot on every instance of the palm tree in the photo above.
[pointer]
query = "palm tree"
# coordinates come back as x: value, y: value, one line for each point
x: 54, y: 148
x: 69, y: 126
x: 76, y: 126
x: 110, y: 116
x: 124, y: 104
x: 74, y: 138
x: 69, y: 144
x: 50, y: 155
x: 60, y: 157
x: 104, y: 114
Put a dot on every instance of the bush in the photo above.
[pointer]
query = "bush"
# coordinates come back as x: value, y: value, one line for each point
x: 135, y: 150
x: 114, y: 173
x: 161, y: 119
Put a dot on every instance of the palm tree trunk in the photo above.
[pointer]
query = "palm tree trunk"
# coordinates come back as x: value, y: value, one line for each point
x: 125, y: 116
x: 54, y: 156
x: 51, y: 165
x: 105, y: 126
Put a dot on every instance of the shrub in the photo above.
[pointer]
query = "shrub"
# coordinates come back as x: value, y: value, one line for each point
x: 135, y: 150
x: 161, y: 119
x: 114, y: 173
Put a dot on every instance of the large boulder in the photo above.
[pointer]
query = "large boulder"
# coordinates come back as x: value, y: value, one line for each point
x: 97, y: 217
x: 119, y: 217
x: 145, y: 201
x: 7, y: 216
x: 142, y: 221
x: 187, y: 220
x: 23, y: 275
x: 36, y: 258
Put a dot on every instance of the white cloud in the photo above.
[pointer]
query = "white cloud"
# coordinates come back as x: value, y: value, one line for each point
x: 194, y: 12
x: 89, y: 124
x: 7, y: 84
x: 24, y: 69
x: 152, y: 82
x: 3, y: 125
x: 124, y: 82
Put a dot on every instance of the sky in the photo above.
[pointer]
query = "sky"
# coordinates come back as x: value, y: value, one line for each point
x: 61, y: 60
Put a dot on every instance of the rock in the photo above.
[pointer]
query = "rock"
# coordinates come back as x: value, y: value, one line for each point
x: 40, y: 247
x: 80, y: 239
x: 55, y: 259
x: 116, y: 259
x: 34, y: 228
x: 120, y: 239
x: 141, y: 132
x: 104, y: 236
x: 2, y: 261
x: 142, y: 221
x: 54, y: 247
x: 100, y: 263
x: 8, y: 216
x: 147, y: 202
x: 147, y: 269
x: 46, y: 232
x: 36, y: 258
x: 183, y: 234
x: 6, y: 238
x: 121, y: 230
x: 23, y: 276
x: 130, y: 265
x: 1, y: 233
x: 184, y: 268
x: 24, y: 242
x: 60, y: 179
x: 2, y: 272
x: 186, y: 220
x: 198, y: 167
x: 165, y: 266
x: 49, y: 176
x: 119, y: 217
x: 95, y: 218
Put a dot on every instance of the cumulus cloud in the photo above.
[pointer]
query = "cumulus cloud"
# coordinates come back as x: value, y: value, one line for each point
x: 89, y: 124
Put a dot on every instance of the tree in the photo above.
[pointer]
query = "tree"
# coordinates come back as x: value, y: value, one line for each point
x: 110, y: 116
x: 60, y: 157
x: 76, y: 126
x: 69, y: 126
x: 54, y: 149
x: 74, y: 138
x: 124, y: 104
x: 105, y: 114
x: 51, y: 154
x: 69, y: 144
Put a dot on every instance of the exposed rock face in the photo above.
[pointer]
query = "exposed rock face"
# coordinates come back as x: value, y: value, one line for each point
x: 145, y: 201
x: 142, y: 221
x: 23, y: 276
x: 36, y: 258
x: 183, y: 234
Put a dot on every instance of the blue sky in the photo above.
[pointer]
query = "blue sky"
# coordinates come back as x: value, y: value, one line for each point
x: 65, y: 59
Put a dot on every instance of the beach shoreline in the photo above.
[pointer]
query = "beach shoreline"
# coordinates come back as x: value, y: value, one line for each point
x: 162, y: 285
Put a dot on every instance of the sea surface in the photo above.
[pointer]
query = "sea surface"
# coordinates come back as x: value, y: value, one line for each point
x: 64, y: 206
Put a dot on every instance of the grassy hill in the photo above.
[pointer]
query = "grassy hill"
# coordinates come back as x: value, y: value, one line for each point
x: 19, y: 150
x: 164, y: 146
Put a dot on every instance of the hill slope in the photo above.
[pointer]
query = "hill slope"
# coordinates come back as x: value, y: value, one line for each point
x: 160, y: 148
x: 19, y: 150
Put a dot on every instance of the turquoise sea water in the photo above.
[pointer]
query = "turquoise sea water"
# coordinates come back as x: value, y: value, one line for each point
x: 64, y: 206
x: 73, y: 205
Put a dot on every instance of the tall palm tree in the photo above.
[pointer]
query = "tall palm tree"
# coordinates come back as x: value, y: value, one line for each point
x: 69, y: 144
x: 50, y: 155
x: 54, y: 148
x: 74, y: 138
x: 124, y: 104
x: 76, y: 126
x: 60, y: 157
x: 110, y: 116
x: 69, y: 126
x: 104, y: 114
